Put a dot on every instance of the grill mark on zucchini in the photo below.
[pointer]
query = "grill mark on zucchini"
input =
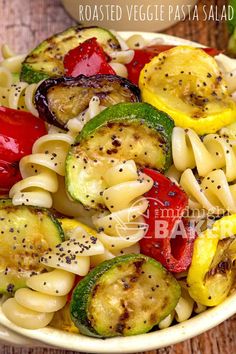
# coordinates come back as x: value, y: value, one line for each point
x: 121, y: 325
x: 123, y: 296
x: 139, y: 132
x: 46, y: 60
x: 23, y: 242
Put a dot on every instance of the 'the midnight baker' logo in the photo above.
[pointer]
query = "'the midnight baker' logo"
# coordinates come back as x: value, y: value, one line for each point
x: 152, y: 13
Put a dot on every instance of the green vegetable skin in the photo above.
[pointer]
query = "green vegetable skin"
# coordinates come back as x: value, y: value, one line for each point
x: 46, y: 60
x: 232, y: 22
x: 126, y: 295
x: 124, y: 131
x: 232, y: 29
x: 26, y: 233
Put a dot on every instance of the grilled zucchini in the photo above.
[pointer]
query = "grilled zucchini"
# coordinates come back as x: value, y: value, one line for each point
x: 46, y: 60
x: 26, y: 233
x: 126, y: 131
x: 126, y: 295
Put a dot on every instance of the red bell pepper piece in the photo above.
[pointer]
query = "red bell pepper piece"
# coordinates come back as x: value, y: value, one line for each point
x: 169, y: 238
x: 144, y: 56
x: 18, y: 132
x: 88, y: 59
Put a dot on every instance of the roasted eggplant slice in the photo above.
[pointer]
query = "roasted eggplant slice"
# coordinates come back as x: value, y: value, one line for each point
x: 46, y: 59
x: 59, y: 100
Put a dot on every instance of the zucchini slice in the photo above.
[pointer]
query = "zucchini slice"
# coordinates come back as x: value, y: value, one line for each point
x: 26, y: 233
x: 126, y: 295
x: 46, y: 59
x: 58, y: 100
x: 126, y: 131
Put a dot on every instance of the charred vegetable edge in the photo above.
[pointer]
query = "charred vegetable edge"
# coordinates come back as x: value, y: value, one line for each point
x: 6, y: 204
x: 95, y: 81
x: 155, y: 119
x: 30, y: 75
x: 82, y: 293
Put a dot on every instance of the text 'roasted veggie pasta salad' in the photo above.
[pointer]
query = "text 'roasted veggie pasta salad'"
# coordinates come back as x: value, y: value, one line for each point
x: 117, y: 183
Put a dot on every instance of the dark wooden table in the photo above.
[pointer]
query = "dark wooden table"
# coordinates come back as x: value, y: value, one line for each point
x: 25, y: 23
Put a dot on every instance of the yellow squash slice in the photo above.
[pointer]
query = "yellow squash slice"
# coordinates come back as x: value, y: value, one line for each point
x: 186, y: 83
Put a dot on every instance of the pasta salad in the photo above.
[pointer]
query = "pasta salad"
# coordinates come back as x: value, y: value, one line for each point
x: 117, y: 183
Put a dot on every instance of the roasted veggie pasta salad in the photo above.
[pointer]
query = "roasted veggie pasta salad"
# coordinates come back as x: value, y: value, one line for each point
x: 117, y: 183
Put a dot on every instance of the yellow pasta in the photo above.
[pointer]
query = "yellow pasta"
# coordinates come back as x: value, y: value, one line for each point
x: 173, y: 174
x: 119, y: 59
x: 6, y: 80
x: 120, y: 69
x: 229, y: 132
x: 24, y: 317
x: 11, y: 61
x: 40, y: 169
x: 136, y: 41
x: 214, y: 152
x: 122, y: 56
x: 74, y: 254
x: 122, y: 226
x: 19, y: 96
x: 213, y: 193
x: 184, y: 309
x: 64, y: 205
x: 14, y: 93
x: 34, y: 307
x: 75, y: 125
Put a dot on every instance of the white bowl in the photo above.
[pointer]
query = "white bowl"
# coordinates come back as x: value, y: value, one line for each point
x: 154, y: 340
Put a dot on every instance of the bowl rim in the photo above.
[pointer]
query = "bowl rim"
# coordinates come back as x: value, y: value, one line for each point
x: 133, y: 344
x: 143, y: 342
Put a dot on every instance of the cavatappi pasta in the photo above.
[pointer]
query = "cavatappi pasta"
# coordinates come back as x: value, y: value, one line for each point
x: 184, y: 309
x: 122, y: 226
x: 119, y: 59
x: 229, y: 132
x: 213, y: 152
x: 13, y: 93
x: 173, y: 174
x: 137, y: 41
x: 40, y: 170
x: 34, y: 307
x: 19, y: 96
x: 213, y: 193
x: 74, y: 254
x: 11, y: 62
x: 76, y: 124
